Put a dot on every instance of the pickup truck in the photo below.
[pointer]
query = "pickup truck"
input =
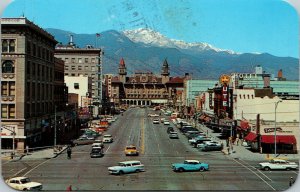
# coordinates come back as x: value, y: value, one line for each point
x: 279, y: 164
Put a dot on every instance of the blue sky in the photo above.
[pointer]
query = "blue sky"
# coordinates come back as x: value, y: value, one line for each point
x: 270, y: 26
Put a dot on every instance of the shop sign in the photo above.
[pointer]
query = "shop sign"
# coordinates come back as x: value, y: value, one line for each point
x: 225, y: 96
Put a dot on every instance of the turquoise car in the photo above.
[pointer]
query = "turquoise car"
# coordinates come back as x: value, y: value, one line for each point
x: 190, y: 165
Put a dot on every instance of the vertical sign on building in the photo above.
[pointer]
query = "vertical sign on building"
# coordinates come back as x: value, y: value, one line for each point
x: 225, y: 80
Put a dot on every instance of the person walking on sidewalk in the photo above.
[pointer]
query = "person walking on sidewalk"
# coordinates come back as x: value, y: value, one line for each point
x: 69, y: 152
x: 292, y: 181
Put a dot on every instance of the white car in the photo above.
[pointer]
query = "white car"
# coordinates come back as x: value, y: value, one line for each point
x: 166, y: 122
x: 126, y: 167
x: 155, y: 121
x: 23, y: 184
x: 173, y: 135
x: 107, y: 139
x: 278, y: 164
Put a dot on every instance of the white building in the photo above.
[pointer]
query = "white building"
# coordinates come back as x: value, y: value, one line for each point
x: 81, y: 85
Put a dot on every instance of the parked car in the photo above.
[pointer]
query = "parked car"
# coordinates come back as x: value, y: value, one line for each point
x: 201, y: 145
x: 198, y: 139
x: 96, y: 152
x: 82, y: 141
x: 212, y: 147
x: 126, y: 167
x: 170, y: 129
x: 166, y: 122
x: 107, y: 139
x: 279, y: 164
x: 131, y: 150
x: 24, y: 184
x: 155, y: 121
x: 190, y: 165
x: 173, y: 135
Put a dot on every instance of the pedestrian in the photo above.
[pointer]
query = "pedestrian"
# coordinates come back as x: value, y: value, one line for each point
x: 228, y: 149
x: 69, y: 152
x: 291, y: 181
x: 237, y: 141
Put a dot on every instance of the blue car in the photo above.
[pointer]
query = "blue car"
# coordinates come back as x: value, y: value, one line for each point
x: 190, y: 165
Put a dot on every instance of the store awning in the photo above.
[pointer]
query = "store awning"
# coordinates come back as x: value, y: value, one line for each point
x: 251, y: 137
x: 287, y: 139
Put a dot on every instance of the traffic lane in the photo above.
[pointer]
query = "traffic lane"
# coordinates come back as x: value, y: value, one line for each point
x: 280, y: 178
x: 18, y: 168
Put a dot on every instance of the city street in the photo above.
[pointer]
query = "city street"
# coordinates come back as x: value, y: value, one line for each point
x: 157, y: 153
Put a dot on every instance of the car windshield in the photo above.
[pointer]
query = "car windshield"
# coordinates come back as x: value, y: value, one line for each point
x: 132, y: 148
x: 26, y: 180
x: 107, y: 136
x: 122, y: 164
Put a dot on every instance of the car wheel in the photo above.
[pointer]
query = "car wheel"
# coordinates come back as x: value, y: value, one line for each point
x: 25, y: 189
x: 267, y: 168
x: 202, y: 169
x: 121, y: 172
x: 180, y: 169
x: 137, y: 170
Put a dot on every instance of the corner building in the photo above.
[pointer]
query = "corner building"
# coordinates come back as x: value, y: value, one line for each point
x: 28, y: 81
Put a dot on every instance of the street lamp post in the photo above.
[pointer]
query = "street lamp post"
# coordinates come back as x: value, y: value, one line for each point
x: 275, y: 147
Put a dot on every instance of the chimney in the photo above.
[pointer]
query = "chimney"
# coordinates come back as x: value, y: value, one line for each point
x: 266, y: 78
x: 279, y: 73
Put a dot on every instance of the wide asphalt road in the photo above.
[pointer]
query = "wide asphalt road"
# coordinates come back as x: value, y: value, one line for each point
x: 157, y: 153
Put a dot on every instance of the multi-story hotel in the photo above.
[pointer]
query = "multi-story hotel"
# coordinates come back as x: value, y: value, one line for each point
x: 32, y: 84
x: 144, y: 88
x: 83, y: 62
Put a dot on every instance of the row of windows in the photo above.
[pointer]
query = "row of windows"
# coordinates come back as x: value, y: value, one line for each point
x: 8, y: 45
x: 8, y: 111
x: 86, y: 68
x: 80, y: 60
x: 94, y: 76
x: 40, y: 52
x: 8, y: 67
x: 8, y: 88
x: 39, y: 72
x: 244, y: 96
x: 39, y: 91
x: 35, y: 109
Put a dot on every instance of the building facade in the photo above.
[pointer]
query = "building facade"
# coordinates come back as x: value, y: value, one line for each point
x: 86, y: 62
x: 145, y: 88
x: 28, y: 83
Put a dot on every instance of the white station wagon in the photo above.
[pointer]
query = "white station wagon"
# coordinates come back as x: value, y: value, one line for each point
x: 278, y: 164
x: 126, y: 167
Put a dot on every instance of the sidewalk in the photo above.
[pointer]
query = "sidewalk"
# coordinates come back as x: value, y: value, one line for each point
x: 242, y: 152
x: 41, y: 154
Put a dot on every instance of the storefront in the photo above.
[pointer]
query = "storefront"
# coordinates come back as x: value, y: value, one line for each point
x: 284, y: 143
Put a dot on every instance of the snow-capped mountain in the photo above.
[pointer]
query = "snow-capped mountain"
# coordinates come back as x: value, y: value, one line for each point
x: 146, y: 50
x: 154, y: 38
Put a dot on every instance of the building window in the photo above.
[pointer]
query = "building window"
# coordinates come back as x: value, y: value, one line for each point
x: 28, y: 48
x: 73, y: 67
x: 86, y: 60
x: 73, y: 74
x: 4, y: 88
x: 79, y: 68
x: 86, y: 68
x: 66, y: 60
x: 8, y: 45
x: 73, y: 60
x: 8, y: 67
x: 66, y: 74
x: 93, y: 68
x: 12, y: 88
x: 11, y: 111
x: 66, y: 67
x: 79, y: 60
x: 244, y: 96
x: 7, y: 111
x: 76, y: 85
x: 248, y: 96
x: 93, y: 60
x: 34, y: 49
x: 252, y: 96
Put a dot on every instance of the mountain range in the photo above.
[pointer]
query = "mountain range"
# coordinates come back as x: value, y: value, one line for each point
x: 145, y: 50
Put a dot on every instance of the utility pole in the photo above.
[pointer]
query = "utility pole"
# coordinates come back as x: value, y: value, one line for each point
x: 275, y: 146
x: 54, y: 126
